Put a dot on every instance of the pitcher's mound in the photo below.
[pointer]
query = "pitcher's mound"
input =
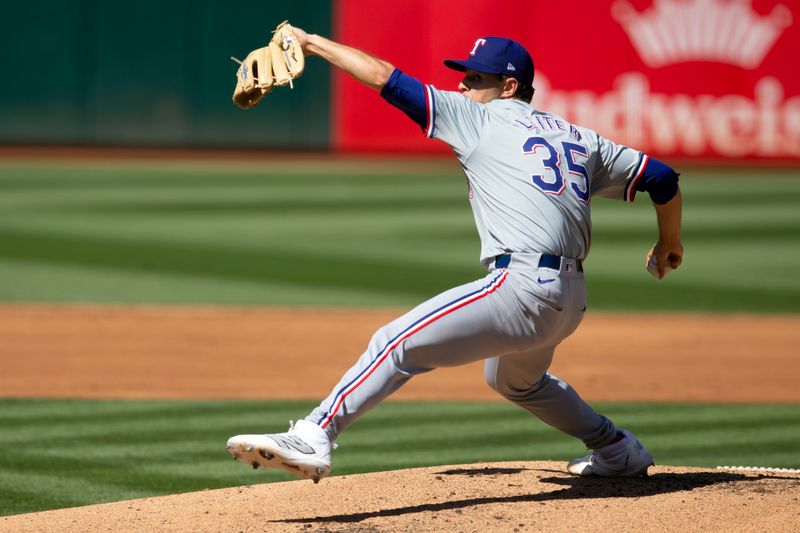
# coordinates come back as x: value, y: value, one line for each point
x: 518, y: 496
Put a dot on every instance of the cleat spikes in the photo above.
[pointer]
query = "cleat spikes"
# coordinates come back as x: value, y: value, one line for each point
x: 266, y: 455
x: 304, y: 451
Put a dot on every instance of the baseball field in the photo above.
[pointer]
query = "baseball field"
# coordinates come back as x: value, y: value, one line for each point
x: 153, y: 306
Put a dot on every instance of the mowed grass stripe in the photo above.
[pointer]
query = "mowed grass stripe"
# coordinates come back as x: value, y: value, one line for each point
x: 73, y: 283
x: 205, y: 262
x: 284, y: 198
x: 359, y: 235
x: 75, y: 241
x: 94, y: 451
x: 641, y: 294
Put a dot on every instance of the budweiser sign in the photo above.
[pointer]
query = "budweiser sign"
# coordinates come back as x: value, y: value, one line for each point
x: 763, y: 122
x: 706, y: 79
x: 725, y: 31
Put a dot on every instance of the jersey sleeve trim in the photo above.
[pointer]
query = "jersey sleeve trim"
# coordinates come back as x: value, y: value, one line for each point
x: 409, y: 96
x: 660, y: 181
x: 630, y: 188
x: 430, y: 109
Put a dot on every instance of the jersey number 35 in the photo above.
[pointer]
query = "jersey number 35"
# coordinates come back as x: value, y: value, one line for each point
x: 553, y: 182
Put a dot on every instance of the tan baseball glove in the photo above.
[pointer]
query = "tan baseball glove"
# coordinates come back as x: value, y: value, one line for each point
x: 278, y: 63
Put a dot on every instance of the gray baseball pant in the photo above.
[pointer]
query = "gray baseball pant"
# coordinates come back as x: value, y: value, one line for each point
x: 513, y: 318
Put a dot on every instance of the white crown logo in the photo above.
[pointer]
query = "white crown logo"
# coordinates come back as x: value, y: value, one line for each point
x: 724, y: 31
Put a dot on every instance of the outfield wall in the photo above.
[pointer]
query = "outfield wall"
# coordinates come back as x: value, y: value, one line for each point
x: 151, y: 73
x: 709, y: 80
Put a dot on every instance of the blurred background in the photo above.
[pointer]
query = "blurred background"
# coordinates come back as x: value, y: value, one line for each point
x: 700, y: 80
x: 128, y: 176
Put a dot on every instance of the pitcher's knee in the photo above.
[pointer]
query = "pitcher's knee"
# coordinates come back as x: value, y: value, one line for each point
x: 409, y: 363
x: 503, y: 388
x: 379, y: 341
x: 515, y: 392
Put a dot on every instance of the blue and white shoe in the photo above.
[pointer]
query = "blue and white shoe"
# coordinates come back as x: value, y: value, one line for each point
x: 304, y: 450
x: 625, y: 458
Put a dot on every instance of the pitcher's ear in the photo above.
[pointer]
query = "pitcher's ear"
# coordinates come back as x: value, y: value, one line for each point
x: 510, y: 87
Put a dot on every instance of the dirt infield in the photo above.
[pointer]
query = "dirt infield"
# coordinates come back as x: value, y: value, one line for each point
x: 515, y: 497
x: 163, y: 352
x: 146, y: 352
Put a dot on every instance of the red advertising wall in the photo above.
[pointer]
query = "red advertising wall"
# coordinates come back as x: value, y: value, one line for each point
x: 707, y: 79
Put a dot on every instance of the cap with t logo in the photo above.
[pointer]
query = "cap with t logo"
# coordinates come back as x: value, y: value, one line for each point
x: 497, y: 55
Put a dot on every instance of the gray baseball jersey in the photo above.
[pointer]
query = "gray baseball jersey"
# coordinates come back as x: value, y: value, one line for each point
x: 530, y: 175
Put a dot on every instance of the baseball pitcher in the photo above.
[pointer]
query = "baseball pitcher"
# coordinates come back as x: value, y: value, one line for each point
x: 531, y: 175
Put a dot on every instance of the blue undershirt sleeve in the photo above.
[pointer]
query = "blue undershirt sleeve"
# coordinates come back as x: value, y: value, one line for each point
x: 408, y: 95
x: 659, y: 180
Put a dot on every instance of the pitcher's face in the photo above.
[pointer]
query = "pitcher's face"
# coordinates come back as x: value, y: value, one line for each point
x: 481, y: 87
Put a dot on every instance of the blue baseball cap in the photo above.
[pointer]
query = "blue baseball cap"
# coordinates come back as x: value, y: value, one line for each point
x: 497, y: 55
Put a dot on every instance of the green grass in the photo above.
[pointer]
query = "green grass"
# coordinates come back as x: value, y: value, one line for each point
x: 62, y: 453
x: 360, y: 234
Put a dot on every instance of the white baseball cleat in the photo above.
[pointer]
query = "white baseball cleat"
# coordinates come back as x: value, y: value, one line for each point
x: 625, y: 458
x: 304, y: 450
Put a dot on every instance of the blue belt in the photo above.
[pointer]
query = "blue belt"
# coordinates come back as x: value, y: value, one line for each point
x: 545, y: 261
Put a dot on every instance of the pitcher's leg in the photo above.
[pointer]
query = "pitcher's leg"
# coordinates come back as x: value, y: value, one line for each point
x: 523, y: 379
x: 459, y: 326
